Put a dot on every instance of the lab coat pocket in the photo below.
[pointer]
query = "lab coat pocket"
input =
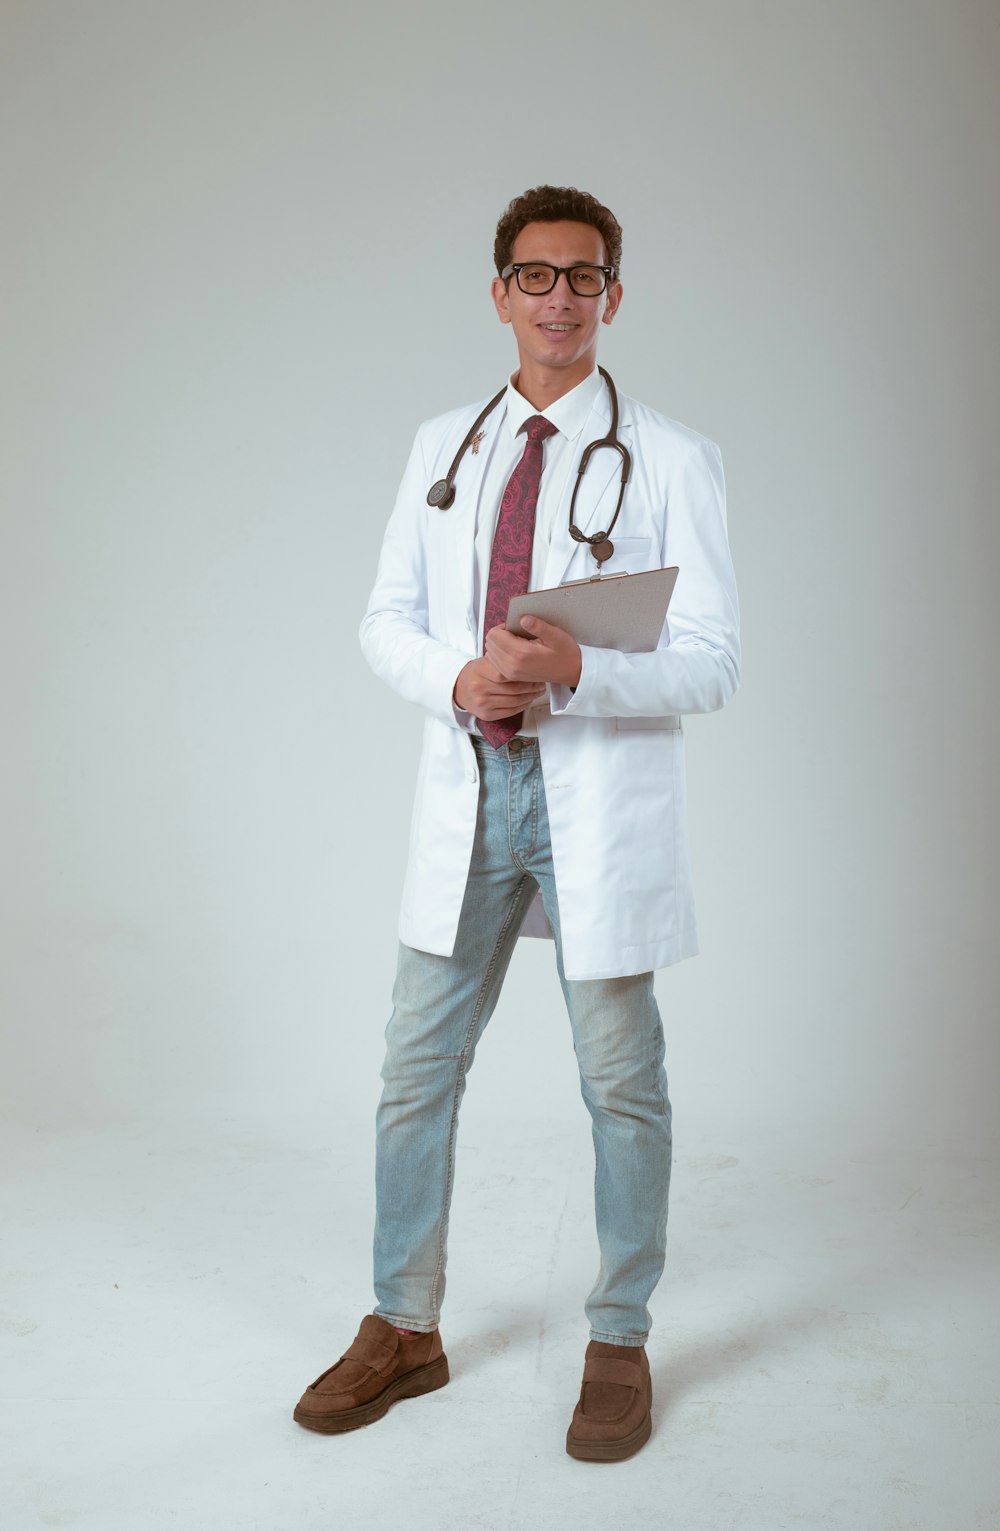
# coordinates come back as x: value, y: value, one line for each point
x: 631, y: 555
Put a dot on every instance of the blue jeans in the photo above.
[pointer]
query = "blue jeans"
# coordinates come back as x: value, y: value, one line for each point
x: 440, y: 1009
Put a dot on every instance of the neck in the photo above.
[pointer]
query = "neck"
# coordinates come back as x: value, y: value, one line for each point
x: 541, y: 386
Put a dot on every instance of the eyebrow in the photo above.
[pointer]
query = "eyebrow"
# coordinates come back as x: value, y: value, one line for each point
x: 546, y: 260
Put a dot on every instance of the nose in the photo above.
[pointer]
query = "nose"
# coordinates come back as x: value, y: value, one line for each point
x: 565, y: 292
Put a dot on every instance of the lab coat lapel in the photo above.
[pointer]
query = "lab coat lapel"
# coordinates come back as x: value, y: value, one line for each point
x: 464, y: 512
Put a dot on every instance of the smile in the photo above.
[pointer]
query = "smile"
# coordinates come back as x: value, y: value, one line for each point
x: 559, y: 328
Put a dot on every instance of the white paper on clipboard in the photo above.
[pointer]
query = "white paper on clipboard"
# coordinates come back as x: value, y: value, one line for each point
x: 615, y: 611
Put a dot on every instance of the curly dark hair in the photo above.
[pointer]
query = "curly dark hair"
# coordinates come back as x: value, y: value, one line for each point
x: 552, y: 204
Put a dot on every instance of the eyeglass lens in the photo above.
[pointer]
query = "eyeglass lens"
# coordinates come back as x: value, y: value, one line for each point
x: 586, y: 281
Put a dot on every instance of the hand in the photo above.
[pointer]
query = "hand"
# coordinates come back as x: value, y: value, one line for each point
x: 550, y: 655
x: 483, y: 691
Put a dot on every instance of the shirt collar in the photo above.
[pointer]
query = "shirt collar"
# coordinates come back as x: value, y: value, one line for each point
x: 568, y: 413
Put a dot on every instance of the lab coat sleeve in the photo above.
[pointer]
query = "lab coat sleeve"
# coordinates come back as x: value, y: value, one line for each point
x: 394, y: 630
x: 696, y: 666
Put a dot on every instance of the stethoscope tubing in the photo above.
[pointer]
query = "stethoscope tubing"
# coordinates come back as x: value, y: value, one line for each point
x: 442, y: 493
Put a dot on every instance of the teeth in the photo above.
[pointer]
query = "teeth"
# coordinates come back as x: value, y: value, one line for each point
x: 557, y: 326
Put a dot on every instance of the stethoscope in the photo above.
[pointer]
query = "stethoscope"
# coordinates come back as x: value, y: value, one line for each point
x: 442, y: 494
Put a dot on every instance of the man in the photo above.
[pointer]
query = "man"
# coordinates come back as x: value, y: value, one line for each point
x: 550, y: 800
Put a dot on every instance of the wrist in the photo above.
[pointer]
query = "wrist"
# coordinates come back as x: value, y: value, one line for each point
x: 454, y: 689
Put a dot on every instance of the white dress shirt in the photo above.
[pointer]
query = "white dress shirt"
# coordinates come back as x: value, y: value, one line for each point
x: 568, y: 414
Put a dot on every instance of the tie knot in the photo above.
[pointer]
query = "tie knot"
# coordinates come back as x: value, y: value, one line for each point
x: 537, y: 428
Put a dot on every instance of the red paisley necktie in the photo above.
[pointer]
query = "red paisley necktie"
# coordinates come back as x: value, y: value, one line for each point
x: 510, y: 560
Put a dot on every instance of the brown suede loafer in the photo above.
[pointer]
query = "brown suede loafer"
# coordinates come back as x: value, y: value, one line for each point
x: 381, y: 1366
x: 612, y: 1419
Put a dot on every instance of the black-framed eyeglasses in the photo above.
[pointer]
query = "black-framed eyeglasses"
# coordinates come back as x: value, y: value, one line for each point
x: 537, y: 276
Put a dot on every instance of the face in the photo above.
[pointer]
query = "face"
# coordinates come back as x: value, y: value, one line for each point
x: 558, y: 330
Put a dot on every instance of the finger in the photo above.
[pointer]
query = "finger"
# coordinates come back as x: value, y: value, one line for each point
x: 514, y: 691
x: 515, y: 658
x: 499, y: 637
x: 538, y: 628
x: 505, y: 664
x: 507, y: 702
x: 500, y: 641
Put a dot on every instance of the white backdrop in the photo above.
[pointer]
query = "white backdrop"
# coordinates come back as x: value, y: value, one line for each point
x: 246, y: 250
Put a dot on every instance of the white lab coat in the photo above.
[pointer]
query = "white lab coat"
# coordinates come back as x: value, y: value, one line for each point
x: 612, y: 752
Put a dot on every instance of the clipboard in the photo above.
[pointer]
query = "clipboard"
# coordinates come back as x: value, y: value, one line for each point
x: 610, y: 611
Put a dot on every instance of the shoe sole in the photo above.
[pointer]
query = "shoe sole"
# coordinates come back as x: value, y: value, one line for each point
x: 425, y: 1379
x: 615, y: 1451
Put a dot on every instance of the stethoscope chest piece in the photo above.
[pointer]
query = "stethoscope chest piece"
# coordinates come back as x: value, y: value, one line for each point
x: 600, y: 543
x: 441, y: 494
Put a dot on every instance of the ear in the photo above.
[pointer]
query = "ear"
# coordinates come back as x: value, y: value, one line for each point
x: 500, y: 303
x: 614, y: 299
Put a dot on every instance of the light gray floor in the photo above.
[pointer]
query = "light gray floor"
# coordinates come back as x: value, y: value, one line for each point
x: 825, y: 1350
